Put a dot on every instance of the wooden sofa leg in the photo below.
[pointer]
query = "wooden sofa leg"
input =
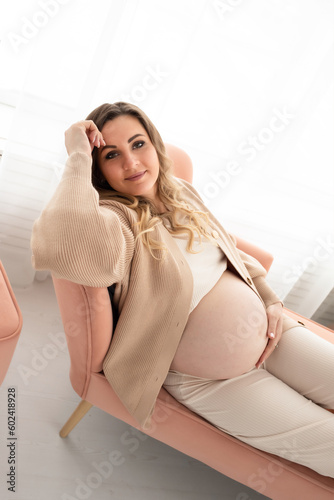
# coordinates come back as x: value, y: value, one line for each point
x: 80, y: 411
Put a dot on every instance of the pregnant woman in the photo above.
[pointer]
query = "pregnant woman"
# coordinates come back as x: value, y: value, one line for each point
x: 195, y: 314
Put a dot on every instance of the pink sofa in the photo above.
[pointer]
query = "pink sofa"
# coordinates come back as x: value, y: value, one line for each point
x: 88, y: 324
x: 10, y: 323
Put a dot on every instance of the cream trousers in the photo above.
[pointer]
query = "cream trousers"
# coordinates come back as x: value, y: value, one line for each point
x: 279, y: 408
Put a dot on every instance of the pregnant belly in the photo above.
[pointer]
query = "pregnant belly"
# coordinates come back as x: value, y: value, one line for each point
x: 226, y: 332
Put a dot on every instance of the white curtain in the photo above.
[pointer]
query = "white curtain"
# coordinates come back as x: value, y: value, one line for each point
x: 245, y: 87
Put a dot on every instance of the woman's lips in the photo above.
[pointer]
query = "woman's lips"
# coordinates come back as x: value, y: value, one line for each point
x: 136, y: 176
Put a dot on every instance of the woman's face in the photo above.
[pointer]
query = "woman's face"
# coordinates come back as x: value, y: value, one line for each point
x: 129, y: 161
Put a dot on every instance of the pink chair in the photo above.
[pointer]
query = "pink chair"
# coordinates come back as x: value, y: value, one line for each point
x: 10, y: 323
x: 88, y: 325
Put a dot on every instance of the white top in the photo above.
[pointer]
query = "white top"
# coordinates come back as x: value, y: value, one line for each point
x: 207, y: 266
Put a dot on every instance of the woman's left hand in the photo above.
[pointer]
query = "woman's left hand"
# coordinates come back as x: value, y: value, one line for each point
x: 274, y: 331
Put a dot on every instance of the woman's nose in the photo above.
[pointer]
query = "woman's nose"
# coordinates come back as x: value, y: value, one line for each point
x: 130, y: 161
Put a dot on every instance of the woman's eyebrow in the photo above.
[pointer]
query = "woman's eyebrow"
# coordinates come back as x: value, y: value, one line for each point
x: 129, y: 140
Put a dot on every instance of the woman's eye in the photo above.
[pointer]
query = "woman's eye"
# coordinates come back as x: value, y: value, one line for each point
x: 114, y: 154
x: 138, y: 144
x: 111, y: 155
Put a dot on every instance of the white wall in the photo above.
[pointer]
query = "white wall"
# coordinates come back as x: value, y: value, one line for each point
x: 246, y: 88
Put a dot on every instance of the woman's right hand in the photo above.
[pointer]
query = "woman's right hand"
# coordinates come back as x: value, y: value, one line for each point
x: 82, y: 136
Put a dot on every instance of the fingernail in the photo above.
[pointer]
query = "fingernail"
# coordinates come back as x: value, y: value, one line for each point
x: 271, y: 335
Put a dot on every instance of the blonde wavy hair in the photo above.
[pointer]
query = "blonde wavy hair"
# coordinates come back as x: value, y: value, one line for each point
x: 168, y: 190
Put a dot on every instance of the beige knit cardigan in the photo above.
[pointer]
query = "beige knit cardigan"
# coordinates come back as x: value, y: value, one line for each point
x: 93, y: 243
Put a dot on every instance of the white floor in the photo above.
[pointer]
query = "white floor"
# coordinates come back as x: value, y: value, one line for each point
x: 80, y: 466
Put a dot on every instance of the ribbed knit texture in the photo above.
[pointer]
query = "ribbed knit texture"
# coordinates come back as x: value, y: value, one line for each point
x: 84, y: 241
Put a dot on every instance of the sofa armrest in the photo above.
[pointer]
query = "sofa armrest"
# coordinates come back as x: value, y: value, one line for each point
x: 10, y: 324
x: 88, y: 324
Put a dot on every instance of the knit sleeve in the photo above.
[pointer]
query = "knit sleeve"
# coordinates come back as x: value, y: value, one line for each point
x: 258, y: 273
x: 75, y: 238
